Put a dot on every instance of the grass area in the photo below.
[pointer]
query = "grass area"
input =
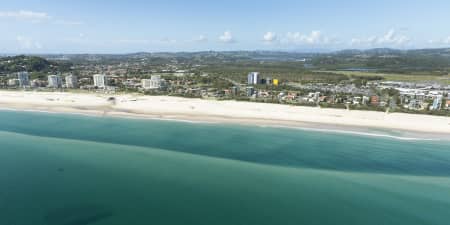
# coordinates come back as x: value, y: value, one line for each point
x: 443, y: 79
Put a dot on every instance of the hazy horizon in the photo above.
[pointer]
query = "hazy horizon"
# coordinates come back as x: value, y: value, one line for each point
x: 319, y: 51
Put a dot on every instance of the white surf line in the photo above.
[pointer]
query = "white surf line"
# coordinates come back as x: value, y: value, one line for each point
x: 144, y: 117
x: 355, y: 133
x: 51, y: 112
x: 120, y: 115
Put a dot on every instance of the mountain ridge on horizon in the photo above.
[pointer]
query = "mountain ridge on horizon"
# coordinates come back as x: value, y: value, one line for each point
x: 317, y: 52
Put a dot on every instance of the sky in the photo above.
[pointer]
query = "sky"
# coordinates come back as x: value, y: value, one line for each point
x: 119, y: 26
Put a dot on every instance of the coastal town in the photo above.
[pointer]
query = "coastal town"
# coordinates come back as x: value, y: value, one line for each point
x: 286, y: 112
x: 372, y: 95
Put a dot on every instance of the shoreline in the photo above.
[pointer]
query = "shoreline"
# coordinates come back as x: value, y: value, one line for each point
x: 305, y: 126
x: 367, y: 123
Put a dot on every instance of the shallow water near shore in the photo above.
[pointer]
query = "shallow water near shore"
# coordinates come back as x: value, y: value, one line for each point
x: 78, y: 170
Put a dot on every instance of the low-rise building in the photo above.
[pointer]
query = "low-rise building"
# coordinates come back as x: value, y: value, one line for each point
x: 414, y: 105
x: 437, y: 103
x: 250, y: 91
x: 357, y: 100
x: 234, y: 90
x: 375, y: 100
x: 291, y: 96
x: 275, y: 82
x: 365, y: 100
x: 36, y: 83
x: 13, y: 82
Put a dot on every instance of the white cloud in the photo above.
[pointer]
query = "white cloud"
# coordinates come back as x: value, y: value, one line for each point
x: 164, y: 40
x: 167, y: 40
x: 227, y: 37
x: 364, y: 41
x: 201, y: 38
x: 270, y: 37
x: 391, y: 38
x: 314, y: 38
x: 444, y: 41
x: 133, y: 41
x: 25, y: 15
x: 69, y: 23
x: 28, y: 43
x: 80, y: 38
x: 447, y: 40
x: 35, y: 17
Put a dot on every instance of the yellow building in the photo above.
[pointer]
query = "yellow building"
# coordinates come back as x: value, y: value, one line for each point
x: 275, y: 82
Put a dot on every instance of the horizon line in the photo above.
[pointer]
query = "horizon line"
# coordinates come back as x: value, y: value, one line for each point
x: 317, y: 51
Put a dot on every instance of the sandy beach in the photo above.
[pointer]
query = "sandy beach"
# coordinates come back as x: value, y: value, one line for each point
x: 261, y: 114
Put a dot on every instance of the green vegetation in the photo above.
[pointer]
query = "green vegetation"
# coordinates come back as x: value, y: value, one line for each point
x: 432, y: 61
x: 411, y: 77
x: 32, y: 64
x: 284, y: 71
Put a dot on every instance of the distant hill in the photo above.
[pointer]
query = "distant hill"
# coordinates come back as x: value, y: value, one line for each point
x: 431, y: 61
x: 31, y: 64
x: 390, y: 51
x: 375, y: 51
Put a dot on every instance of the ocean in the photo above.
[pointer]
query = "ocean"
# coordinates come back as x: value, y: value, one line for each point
x: 60, y: 169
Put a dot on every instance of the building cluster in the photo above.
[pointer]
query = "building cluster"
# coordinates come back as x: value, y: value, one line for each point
x: 23, y: 80
x: 98, y: 81
x: 417, y: 99
x: 255, y: 78
x: 403, y: 95
x: 154, y: 83
x: 410, y: 96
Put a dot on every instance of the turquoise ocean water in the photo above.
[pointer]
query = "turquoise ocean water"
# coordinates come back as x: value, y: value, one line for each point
x: 76, y: 170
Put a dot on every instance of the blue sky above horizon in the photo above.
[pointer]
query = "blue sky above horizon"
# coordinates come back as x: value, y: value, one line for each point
x: 113, y: 26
